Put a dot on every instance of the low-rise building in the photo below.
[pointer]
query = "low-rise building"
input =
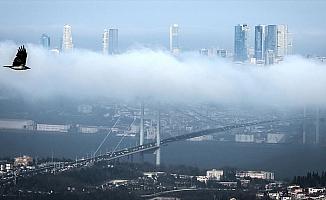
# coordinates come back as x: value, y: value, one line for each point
x: 255, y: 174
x: 88, y: 129
x: 214, y: 174
x: 244, y: 138
x: 314, y: 190
x: 23, y: 161
x: 53, y: 128
x: 16, y: 124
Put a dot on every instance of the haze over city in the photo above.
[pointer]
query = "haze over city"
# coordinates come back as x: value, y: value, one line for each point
x: 163, y: 100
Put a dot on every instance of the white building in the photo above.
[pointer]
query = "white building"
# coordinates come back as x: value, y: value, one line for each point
x: 255, y: 174
x: 88, y: 129
x: 9, y: 166
x: 67, y: 44
x: 282, y: 41
x: 16, y: 124
x: 316, y: 190
x: 202, y: 179
x: 53, y: 128
x: 244, y: 138
x: 275, y: 138
x: 214, y: 174
x: 174, y: 39
x: 105, y: 41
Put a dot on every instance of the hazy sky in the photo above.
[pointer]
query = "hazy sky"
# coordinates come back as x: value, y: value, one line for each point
x: 202, y: 23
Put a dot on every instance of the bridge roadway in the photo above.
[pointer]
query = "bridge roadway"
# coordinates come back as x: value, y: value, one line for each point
x: 153, y: 146
x: 133, y: 150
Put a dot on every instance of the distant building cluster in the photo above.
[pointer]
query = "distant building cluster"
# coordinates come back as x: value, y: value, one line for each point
x: 218, y: 175
x: 293, y: 192
x: 22, y: 162
x: 272, y: 43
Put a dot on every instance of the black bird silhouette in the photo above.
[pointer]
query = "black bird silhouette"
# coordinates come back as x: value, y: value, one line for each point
x: 20, y: 60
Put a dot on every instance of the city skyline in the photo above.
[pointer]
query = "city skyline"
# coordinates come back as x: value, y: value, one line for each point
x: 210, y: 27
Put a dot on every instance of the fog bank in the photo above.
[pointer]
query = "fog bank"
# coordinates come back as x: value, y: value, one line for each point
x: 155, y: 74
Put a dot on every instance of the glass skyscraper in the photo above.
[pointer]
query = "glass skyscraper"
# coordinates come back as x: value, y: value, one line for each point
x: 271, y: 38
x: 260, y: 43
x: 45, y: 41
x: 113, y: 41
x: 241, y: 34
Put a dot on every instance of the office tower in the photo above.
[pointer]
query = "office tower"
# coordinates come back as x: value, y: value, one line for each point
x: 282, y: 41
x: 174, y: 39
x: 241, y: 35
x: 113, y: 41
x: 270, y: 57
x: 260, y: 43
x: 105, y: 42
x: 290, y: 43
x: 271, y: 38
x: 67, y: 44
x: 276, y: 40
x: 45, y: 41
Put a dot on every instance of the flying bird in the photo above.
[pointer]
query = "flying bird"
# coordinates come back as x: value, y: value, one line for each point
x: 20, y: 60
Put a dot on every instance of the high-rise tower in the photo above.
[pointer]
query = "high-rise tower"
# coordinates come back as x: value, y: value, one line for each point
x: 277, y: 41
x: 241, y: 35
x: 260, y: 43
x: 174, y: 39
x: 113, y: 41
x: 282, y: 41
x: 67, y: 44
x: 45, y: 41
x: 105, y: 42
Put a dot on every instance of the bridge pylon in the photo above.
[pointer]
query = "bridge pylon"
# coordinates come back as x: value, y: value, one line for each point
x: 158, y: 141
x: 141, y: 132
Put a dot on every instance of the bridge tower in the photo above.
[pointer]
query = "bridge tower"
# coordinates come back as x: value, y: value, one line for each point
x: 304, y: 126
x: 158, y: 141
x: 141, y: 132
x: 317, y: 125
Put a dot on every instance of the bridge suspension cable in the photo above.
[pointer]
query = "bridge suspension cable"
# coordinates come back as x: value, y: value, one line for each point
x: 107, y: 135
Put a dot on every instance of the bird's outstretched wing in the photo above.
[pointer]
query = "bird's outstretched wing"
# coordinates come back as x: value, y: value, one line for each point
x: 20, y: 57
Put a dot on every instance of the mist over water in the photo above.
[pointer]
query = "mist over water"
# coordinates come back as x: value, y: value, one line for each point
x: 155, y: 74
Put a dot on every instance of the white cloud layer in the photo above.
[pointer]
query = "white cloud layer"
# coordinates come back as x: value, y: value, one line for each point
x: 155, y: 74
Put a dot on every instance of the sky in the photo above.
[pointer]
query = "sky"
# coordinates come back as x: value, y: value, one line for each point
x: 206, y: 23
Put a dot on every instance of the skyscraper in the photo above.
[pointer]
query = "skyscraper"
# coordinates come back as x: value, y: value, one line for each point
x: 67, y: 44
x: 260, y: 43
x: 282, y: 41
x: 174, y: 39
x: 105, y: 41
x: 45, y: 41
x: 113, y: 41
x: 277, y: 41
x: 241, y: 33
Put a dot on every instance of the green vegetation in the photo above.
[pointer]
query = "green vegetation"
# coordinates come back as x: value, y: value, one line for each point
x: 312, y: 179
